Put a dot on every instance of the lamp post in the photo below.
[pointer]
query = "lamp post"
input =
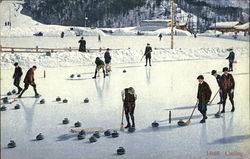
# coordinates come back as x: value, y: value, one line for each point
x: 172, y: 24
x: 86, y: 18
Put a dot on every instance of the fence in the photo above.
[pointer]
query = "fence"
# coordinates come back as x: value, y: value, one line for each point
x: 44, y: 50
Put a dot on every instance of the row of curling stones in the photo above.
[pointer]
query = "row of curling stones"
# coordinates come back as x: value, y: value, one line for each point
x: 58, y: 99
x: 12, y: 143
x: 155, y: 124
x: 11, y: 92
x: 72, y: 75
x: 4, y: 108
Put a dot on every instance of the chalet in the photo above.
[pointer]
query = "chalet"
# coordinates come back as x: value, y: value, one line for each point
x: 225, y: 26
x: 243, y: 27
x: 157, y: 23
x: 182, y: 26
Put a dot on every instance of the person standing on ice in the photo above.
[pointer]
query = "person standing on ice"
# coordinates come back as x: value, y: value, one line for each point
x: 107, y: 58
x: 99, y: 38
x: 203, y: 96
x: 17, y: 77
x: 218, y: 78
x: 231, y: 58
x: 82, y: 47
x: 129, y: 97
x: 99, y: 65
x: 227, y: 87
x: 147, y: 54
x: 30, y: 80
x: 160, y: 36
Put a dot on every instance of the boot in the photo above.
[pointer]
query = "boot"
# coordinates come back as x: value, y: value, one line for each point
x: 203, y: 121
x: 205, y: 115
x: 133, y: 120
x: 20, y: 96
x: 223, y: 109
x: 95, y: 74
x: 103, y: 74
x: 232, y: 102
x: 127, y: 118
x: 19, y: 90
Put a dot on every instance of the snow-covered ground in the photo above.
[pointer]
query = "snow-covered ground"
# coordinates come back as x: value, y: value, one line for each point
x: 163, y: 87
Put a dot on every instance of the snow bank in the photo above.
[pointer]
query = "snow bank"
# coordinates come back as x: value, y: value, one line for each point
x: 75, y: 58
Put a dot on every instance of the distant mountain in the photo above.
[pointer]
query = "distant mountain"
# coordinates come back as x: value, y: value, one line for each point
x: 124, y: 13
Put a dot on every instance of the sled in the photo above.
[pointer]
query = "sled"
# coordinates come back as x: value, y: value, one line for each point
x: 77, y: 130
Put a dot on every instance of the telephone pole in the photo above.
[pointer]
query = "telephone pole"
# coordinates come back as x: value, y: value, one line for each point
x: 172, y: 24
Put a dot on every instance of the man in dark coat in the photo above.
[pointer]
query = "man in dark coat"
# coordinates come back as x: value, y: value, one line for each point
x: 82, y: 47
x: 227, y: 86
x: 218, y: 77
x: 29, y: 80
x: 203, y: 96
x: 160, y: 36
x: 99, y: 65
x: 129, y: 97
x: 147, y: 54
x: 231, y: 58
x: 17, y: 77
x: 107, y: 58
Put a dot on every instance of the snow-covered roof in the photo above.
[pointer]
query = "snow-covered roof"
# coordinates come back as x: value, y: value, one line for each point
x: 224, y: 25
x: 243, y: 26
x: 157, y: 20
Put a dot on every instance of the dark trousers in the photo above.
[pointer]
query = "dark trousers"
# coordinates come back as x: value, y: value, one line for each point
x: 17, y: 83
x: 129, y: 108
x: 230, y: 65
x: 224, y: 97
x: 148, y: 59
x: 202, y: 107
x: 26, y: 86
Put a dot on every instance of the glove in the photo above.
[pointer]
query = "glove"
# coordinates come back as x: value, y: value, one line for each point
x: 231, y: 91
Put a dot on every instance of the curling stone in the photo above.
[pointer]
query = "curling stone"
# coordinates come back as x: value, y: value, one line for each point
x: 155, y: 124
x: 86, y: 100
x: 9, y: 93
x: 181, y: 123
x: 12, y: 144
x: 217, y: 115
x: 131, y: 129
x: 82, y: 132
x: 124, y: 71
x: 3, y: 108
x: 58, y: 99
x: 72, y: 76
x: 39, y: 136
x: 115, y: 134
x: 78, y: 75
x: 17, y: 106
x: 80, y: 137
x: 96, y: 134
x: 65, y: 121
x: 92, y: 139
x: 13, y: 91
x: 107, y: 133
x: 42, y: 101
x: 78, y: 124
x: 5, y: 100
x: 120, y: 151
x: 65, y: 101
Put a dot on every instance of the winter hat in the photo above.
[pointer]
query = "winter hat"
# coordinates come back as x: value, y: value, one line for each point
x: 15, y: 64
x: 108, y: 49
x: 148, y: 44
x: 213, y: 72
x: 224, y: 69
x: 230, y: 49
x: 200, y: 77
x: 131, y: 90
